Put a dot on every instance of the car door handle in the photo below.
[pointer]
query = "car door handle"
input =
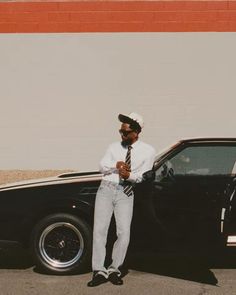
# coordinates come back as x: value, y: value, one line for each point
x: 163, y: 185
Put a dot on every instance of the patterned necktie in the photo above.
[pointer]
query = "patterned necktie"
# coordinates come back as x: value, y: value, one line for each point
x: 128, y: 189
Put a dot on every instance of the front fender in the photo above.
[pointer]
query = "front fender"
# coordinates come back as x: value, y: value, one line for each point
x: 79, y: 208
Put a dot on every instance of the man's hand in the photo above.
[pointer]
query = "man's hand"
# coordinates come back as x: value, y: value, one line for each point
x: 124, y: 169
x: 124, y: 173
x: 122, y: 165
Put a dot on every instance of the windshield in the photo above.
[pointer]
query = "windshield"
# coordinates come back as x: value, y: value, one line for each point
x: 165, y: 151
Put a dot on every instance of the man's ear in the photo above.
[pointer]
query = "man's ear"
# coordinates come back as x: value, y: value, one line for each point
x: 137, y: 133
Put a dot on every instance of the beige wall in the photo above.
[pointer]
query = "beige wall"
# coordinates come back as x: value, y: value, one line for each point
x: 61, y: 93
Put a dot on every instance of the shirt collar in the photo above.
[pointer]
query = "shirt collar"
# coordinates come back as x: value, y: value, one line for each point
x: 135, y: 144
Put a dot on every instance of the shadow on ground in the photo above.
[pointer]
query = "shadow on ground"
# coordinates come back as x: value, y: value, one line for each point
x: 15, y: 258
x: 183, y: 266
x: 187, y: 266
x: 176, y: 266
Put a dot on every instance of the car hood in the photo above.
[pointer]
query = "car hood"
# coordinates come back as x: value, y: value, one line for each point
x: 60, y: 179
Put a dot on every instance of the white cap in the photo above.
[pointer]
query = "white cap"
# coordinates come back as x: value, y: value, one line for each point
x: 132, y: 118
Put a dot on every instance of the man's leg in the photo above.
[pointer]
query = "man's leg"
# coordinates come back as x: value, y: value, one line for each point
x: 123, y: 211
x: 102, y: 218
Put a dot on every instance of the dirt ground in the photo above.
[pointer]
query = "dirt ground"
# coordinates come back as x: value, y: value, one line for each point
x: 8, y: 176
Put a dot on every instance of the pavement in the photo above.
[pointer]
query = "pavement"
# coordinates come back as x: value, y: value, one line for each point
x: 147, y: 274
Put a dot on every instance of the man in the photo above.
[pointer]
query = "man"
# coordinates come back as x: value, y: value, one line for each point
x: 122, y: 167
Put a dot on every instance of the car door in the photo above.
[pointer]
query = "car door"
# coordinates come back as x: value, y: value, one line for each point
x: 188, y: 191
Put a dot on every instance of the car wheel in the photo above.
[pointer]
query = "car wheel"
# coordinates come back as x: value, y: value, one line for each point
x: 61, y: 244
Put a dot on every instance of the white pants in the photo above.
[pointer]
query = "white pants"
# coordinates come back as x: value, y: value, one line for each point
x: 111, y: 198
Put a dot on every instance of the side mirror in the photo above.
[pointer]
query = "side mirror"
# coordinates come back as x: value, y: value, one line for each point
x: 149, y: 176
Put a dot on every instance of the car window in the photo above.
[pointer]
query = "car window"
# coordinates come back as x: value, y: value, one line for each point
x: 201, y: 160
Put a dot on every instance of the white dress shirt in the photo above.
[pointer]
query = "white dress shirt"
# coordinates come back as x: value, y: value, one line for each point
x: 142, y: 158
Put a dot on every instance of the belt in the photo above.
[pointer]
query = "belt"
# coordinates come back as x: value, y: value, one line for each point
x: 115, y: 185
x: 112, y: 185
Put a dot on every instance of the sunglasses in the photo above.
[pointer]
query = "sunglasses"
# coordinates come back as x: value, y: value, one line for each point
x: 125, y: 132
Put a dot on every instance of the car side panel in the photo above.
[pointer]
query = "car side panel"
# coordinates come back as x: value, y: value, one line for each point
x: 21, y: 208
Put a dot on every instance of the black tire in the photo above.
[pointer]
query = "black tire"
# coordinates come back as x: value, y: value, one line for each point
x: 61, y: 244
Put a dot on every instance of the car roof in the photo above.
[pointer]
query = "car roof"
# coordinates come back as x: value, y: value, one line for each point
x: 208, y: 139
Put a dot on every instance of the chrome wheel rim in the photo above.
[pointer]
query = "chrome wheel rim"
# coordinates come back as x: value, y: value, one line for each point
x: 61, y: 245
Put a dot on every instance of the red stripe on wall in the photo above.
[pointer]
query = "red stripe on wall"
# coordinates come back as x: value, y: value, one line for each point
x: 118, y: 16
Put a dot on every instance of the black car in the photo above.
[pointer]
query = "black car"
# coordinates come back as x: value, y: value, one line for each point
x: 186, y: 199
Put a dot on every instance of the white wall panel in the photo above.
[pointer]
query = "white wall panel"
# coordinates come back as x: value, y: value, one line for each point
x: 61, y: 93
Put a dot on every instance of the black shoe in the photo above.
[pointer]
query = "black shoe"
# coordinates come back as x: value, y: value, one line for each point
x: 97, y: 280
x: 115, y: 279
